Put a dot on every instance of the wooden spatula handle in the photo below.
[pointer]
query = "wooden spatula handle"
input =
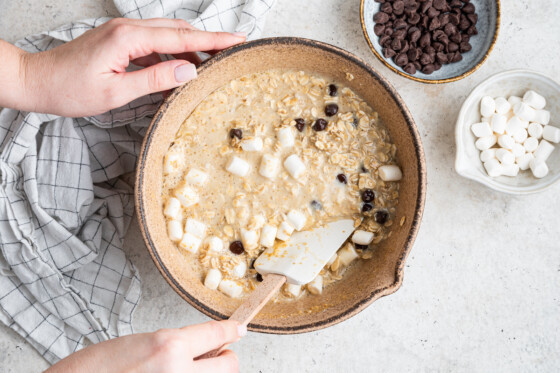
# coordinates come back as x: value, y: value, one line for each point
x: 252, y: 305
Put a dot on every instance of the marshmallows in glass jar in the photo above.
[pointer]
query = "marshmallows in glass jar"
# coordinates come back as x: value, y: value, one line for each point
x: 514, y: 134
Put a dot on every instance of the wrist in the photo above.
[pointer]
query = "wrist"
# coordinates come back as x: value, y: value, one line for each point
x: 34, y: 75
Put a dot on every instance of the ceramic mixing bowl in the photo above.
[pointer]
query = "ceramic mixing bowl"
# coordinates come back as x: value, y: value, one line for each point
x: 369, y: 279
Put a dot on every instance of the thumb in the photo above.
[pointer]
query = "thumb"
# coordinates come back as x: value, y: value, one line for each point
x: 156, y: 78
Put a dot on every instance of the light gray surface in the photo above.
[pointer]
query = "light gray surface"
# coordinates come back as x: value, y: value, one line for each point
x: 482, y: 284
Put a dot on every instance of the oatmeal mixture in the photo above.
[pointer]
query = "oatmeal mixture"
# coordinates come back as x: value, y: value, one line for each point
x: 269, y: 154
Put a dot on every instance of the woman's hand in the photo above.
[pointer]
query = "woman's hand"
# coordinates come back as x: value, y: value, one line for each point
x: 87, y: 75
x: 167, y: 350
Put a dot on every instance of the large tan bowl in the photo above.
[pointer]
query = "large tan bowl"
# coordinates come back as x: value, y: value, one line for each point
x: 370, y: 279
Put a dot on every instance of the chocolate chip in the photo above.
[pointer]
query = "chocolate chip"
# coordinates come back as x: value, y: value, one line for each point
x: 441, y: 58
x: 428, y: 69
x: 384, y: 40
x: 410, y: 69
x: 236, y: 132
x: 452, y: 47
x: 473, y: 18
x: 437, y: 66
x: 387, y: 8
x: 456, y: 38
x: 398, y: 7
x: 425, y: 59
x: 425, y: 6
x: 342, y: 178
x: 456, y: 4
x: 378, y: 29
x: 400, y: 24
x: 464, y: 24
x: 401, y: 59
x: 388, y: 52
x: 465, y: 38
x: 361, y: 247
x: 457, y: 57
x: 432, y: 13
x: 443, y: 19
x: 367, y: 207
x: 331, y: 109
x: 417, y: 65
x: 381, y: 216
x: 434, y: 24
x: 388, y: 31
x: 439, y: 4
x: 399, y: 34
x: 414, y: 18
x: 465, y: 47
x: 259, y: 277
x: 368, y: 195
x: 333, y: 91
x: 438, y: 46
x: 236, y: 247
x: 300, y: 124
x: 380, y: 17
x: 415, y: 36
x: 405, y: 46
x: 468, y: 8
x: 316, y: 205
x: 413, y: 54
x: 472, y: 30
x: 449, y: 29
x: 320, y: 125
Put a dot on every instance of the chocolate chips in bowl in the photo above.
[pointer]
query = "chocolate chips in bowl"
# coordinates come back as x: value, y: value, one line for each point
x: 417, y: 38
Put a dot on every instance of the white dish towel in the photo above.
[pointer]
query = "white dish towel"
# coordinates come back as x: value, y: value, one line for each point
x: 64, y: 279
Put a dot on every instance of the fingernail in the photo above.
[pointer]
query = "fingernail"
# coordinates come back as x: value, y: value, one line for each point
x: 240, y: 34
x: 184, y: 73
x: 241, y: 330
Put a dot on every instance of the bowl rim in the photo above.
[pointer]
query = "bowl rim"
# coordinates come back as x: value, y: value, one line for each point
x: 460, y: 158
x: 429, y: 81
x: 415, y: 225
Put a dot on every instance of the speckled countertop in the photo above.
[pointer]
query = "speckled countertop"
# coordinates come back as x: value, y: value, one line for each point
x: 482, y: 285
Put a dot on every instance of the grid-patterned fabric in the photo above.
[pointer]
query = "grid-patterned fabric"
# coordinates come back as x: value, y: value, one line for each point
x: 64, y: 208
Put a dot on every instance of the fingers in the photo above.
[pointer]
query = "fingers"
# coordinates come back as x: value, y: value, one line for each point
x: 148, y: 60
x: 226, y: 362
x: 211, y: 335
x: 153, y: 22
x: 192, y: 57
x: 159, y: 77
x: 141, y: 41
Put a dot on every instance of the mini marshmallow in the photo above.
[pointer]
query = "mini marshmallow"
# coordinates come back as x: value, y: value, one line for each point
x: 520, y: 135
x: 270, y: 166
x: 493, y: 168
x: 240, y: 269
x: 286, y: 137
x: 268, y: 235
x: 535, y: 100
x: 551, y: 134
x: 487, y: 106
x: 316, y: 286
x: 230, y: 288
x: 293, y: 290
x: 174, y: 230
x: 542, y: 117
x: 515, y: 124
x: 518, y: 150
x: 506, y: 141
x: 347, y: 254
x: 544, y: 150
x: 505, y: 157
x: 524, y: 111
x: 294, y: 166
x: 481, y: 129
x: 213, y: 278
x: 172, y: 163
x: 187, y: 196
x: 238, y: 166
x: 499, y: 123
x: 538, y: 168
x: 254, y: 144
x: 488, y: 154
x: 297, y: 219
x: 173, y: 209
x: 256, y: 221
x: 362, y: 237
x: 485, y: 142
x: 514, y: 100
x: 390, y: 172
x: 502, y: 105
x: 524, y: 160
x: 249, y: 238
x: 284, y: 232
x: 196, y: 177
x: 195, y: 227
x: 215, y: 244
x: 510, y: 170
x: 535, y: 130
x: 486, y: 119
x: 531, y: 144
x: 190, y: 243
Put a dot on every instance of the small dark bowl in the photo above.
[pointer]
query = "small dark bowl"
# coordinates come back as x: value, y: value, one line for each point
x: 488, y: 25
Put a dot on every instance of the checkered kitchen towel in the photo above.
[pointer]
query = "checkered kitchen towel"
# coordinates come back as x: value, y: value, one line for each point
x: 64, y: 207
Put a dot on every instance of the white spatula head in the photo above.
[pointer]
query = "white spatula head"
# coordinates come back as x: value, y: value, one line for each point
x: 302, y: 257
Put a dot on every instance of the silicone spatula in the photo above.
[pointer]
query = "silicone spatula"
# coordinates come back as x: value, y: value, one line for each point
x: 298, y: 261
